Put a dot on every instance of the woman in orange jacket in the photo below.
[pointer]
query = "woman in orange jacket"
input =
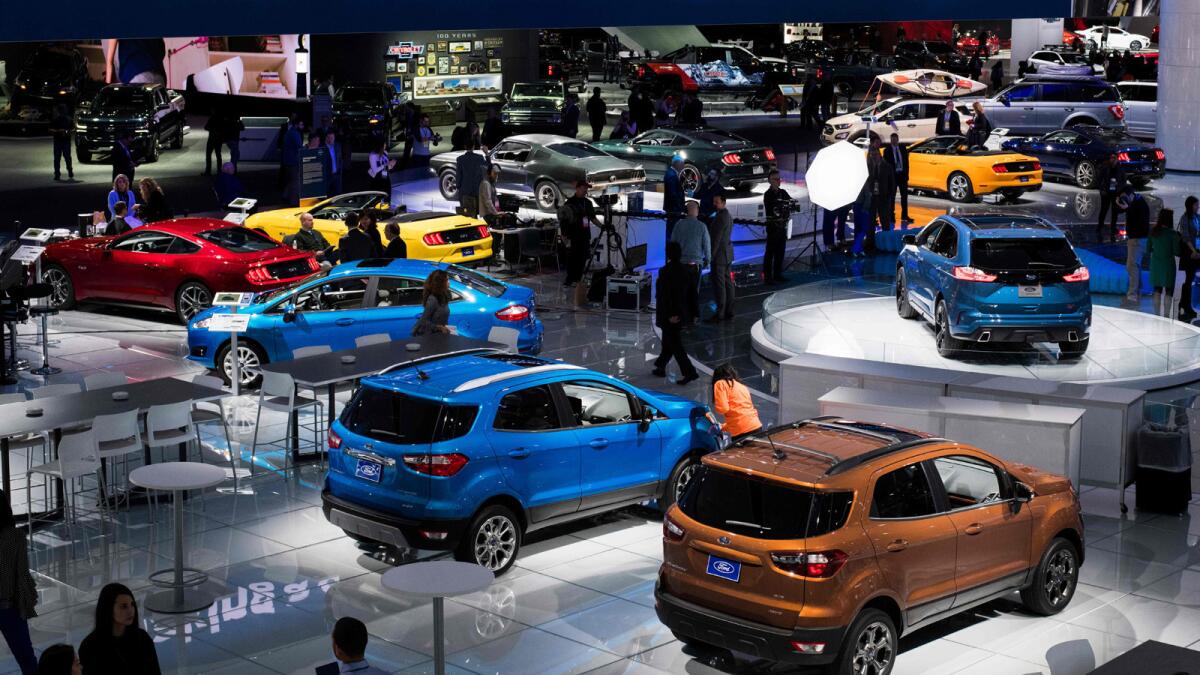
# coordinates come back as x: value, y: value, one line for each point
x: 731, y: 398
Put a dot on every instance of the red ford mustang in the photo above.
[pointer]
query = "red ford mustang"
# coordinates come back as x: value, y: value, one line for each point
x: 176, y: 265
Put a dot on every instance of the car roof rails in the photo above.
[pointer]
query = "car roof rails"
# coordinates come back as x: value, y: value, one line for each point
x: 510, y: 374
x: 892, y: 440
x: 435, y: 357
x: 858, y: 460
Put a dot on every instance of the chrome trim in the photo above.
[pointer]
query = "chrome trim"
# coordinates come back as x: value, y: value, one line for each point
x: 372, y: 457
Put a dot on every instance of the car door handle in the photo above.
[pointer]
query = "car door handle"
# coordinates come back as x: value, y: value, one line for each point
x: 1069, y: 109
x: 344, y: 322
x: 599, y: 443
x: 518, y: 453
x: 898, y: 545
x: 1031, y: 109
x: 974, y: 528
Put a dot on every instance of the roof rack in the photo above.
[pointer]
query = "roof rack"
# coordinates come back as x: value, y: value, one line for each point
x: 436, y: 357
x: 851, y: 462
x: 836, y: 423
x: 500, y: 377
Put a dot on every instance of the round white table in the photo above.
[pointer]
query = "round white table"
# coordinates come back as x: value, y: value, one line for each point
x: 438, y: 579
x: 178, y: 478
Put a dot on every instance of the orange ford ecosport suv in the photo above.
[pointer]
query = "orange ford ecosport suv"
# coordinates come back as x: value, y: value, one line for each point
x: 821, y: 542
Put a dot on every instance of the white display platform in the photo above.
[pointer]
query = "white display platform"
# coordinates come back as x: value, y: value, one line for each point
x: 1042, y: 436
x: 1128, y: 348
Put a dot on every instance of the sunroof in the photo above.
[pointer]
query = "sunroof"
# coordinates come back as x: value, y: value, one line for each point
x: 517, y: 360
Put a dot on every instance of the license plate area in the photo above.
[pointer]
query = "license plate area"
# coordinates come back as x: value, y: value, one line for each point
x: 1029, y: 291
x: 758, y: 169
x: 730, y: 570
x: 1024, y: 179
x: 368, y: 470
x: 468, y: 251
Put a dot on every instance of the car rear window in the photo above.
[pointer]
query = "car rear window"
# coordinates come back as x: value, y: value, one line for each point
x: 392, y: 417
x: 1022, y: 254
x: 762, y: 509
x: 239, y: 239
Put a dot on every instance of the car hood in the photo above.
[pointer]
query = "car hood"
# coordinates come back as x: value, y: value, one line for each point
x: 1042, y: 482
x: 257, y: 218
x: 118, y: 115
x: 849, y: 118
x: 357, y: 108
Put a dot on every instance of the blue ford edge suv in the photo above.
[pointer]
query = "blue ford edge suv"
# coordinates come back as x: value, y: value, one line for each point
x: 470, y: 452
x: 995, y: 278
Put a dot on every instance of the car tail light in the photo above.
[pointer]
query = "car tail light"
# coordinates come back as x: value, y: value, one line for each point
x: 484, y: 232
x: 770, y: 155
x: 434, y: 239
x: 972, y: 274
x: 258, y: 275
x: 335, y: 441
x: 1117, y: 111
x: 550, y: 70
x: 641, y: 71
x: 1122, y: 156
x: 1036, y: 166
x: 1080, y: 274
x: 731, y: 159
x: 819, y: 565
x: 436, y: 465
x: 513, y: 313
x: 671, y: 530
x: 313, y: 264
x: 1159, y: 154
x: 1000, y: 168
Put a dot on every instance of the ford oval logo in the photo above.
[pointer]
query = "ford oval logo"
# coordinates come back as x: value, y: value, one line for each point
x: 724, y: 541
x: 1031, y: 277
x: 723, y: 567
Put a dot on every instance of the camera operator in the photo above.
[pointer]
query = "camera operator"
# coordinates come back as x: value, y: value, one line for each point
x: 777, y: 205
x: 575, y: 220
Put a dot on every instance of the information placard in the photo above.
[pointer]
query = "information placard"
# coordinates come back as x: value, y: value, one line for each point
x: 27, y: 254
x: 229, y: 323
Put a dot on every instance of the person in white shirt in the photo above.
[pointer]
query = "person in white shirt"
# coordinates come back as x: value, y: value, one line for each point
x: 350, y: 647
x: 378, y: 166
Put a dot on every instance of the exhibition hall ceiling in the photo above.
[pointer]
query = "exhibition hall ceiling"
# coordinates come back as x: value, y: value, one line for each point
x: 24, y: 21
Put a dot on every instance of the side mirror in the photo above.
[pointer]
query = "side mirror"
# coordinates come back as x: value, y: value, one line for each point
x: 289, y: 313
x: 1022, y: 494
x: 1004, y: 99
x: 909, y: 239
x: 647, y: 418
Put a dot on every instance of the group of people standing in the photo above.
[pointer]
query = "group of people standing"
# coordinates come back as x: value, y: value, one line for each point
x: 127, y: 208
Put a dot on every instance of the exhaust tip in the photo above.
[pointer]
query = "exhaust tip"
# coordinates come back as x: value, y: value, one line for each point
x: 1072, y: 336
x: 986, y: 336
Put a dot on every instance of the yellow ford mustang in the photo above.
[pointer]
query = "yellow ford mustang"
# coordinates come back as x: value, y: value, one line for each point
x: 945, y: 164
x: 427, y: 235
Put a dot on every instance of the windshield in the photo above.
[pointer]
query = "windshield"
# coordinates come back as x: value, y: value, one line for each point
x: 123, y: 97
x: 1022, y: 254
x: 537, y: 90
x: 576, y: 150
x: 359, y: 95
x: 938, y: 48
x: 762, y: 509
x: 239, y: 239
x: 476, y: 281
x: 879, y: 106
x: 50, y: 60
x: 271, y: 296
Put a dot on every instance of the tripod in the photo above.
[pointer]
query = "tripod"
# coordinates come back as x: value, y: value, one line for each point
x: 810, y: 249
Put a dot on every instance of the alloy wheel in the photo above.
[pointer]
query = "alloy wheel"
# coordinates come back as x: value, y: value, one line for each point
x: 495, y: 543
x: 873, y: 652
x: 192, y: 300
x: 1060, y: 577
x: 547, y: 197
x: 449, y: 185
x: 1085, y: 174
x: 58, y: 286
x: 686, y: 474
x: 689, y: 178
x: 958, y: 188
x: 248, y: 364
x: 943, y: 327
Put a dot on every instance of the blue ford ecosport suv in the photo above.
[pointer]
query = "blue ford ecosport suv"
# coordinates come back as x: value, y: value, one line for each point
x: 468, y: 453
x: 365, y: 297
x: 995, y: 278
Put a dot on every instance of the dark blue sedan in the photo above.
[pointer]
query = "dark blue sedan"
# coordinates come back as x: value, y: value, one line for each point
x: 1078, y: 152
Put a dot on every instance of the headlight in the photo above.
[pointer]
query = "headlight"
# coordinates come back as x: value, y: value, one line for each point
x: 80, y: 127
x: 201, y: 324
x: 141, y: 132
x: 842, y: 126
x: 504, y: 117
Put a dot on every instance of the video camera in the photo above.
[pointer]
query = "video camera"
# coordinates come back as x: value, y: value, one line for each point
x: 784, y: 208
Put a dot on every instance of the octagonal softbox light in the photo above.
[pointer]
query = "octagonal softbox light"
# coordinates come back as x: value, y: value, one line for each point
x: 836, y: 175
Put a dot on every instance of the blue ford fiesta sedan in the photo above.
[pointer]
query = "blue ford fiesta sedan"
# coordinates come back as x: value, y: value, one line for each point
x: 468, y: 453
x: 995, y: 278
x: 365, y: 297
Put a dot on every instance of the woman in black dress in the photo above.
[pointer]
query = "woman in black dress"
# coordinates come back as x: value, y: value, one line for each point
x: 118, y: 645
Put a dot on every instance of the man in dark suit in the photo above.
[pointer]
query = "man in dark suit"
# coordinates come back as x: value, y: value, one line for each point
x: 122, y: 157
x: 896, y: 156
x: 948, y: 123
x: 1111, y: 181
x: 720, y: 233
x: 357, y: 243
x: 670, y: 309
x: 673, y: 194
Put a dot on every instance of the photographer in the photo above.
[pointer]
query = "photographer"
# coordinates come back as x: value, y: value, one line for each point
x: 777, y: 204
x: 575, y: 220
x: 425, y: 137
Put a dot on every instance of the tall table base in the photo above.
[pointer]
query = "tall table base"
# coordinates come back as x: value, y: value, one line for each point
x: 180, y: 597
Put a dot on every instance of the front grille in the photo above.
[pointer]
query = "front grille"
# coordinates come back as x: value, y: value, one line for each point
x: 1018, y: 167
x: 529, y: 117
x: 461, y: 235
x: 290, y: 268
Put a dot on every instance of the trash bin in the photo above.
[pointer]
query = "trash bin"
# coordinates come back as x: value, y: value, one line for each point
x: 1164, y: 468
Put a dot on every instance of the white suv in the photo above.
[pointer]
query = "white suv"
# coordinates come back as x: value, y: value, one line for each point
x: 914, y: 119
x: 1117, y: 38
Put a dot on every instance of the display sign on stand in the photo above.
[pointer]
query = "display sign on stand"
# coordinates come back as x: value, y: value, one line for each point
x: 27, y: 254
x: 241, y: 210
x: 232, y: 323
x: 312, y: 173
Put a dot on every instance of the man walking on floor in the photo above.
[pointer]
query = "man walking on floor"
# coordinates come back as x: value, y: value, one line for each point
x: 597, y: 110
x: 669, y: 314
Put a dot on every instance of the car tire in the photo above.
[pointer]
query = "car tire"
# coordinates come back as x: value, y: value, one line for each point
x: 83, y: 156
x: 843, y: 89
x: 681, y: 475
x: 959, y: 187
x: 492, y: 541
x: 1091, y: 44
x: 547, y: 196
x: 448, y: 184
x: 253, y: 357
x: 62, y: 289
x: 1135, y: 45
x: 870, y: 645
x: 155, y: 150
x: 1072, y: 350
x: 1085, y: 174
x: 689, y: 178
x: 177, y: 140
x: 1054, y: 580
x: 191, y: 298
x: 948, y: 346
x: 903, y: 307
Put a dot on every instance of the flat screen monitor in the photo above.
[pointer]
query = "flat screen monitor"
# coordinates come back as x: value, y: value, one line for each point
x: 635, y: 257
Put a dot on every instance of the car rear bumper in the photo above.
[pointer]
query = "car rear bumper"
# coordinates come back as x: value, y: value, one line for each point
x: 1022, y: 328
x: 721, y: 630
x: 389, y: 529
x: 1011, y: 183
x: 746, y: 175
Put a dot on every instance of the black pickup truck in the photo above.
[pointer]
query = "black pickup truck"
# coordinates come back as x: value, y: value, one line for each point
x: 151, y: 112
x: 369, y: 111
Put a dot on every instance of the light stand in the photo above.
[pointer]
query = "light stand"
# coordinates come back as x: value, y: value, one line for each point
x: 811, y: 249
